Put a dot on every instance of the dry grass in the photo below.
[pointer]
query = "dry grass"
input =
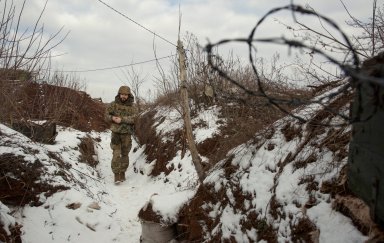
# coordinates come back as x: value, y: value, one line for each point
x: 14, y: 237
x: 65, y: 106
x: 21, y: 182
x: 302, y: 231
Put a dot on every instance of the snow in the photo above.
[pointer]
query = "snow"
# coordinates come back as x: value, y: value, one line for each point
x: 117, y: 219
x: 211, y: 124
x: 5, y: 218
x: 168, y: 120
x: 335, y: 227
x: 207, y: 123
x: 163, y: 205
x: 109, y: 212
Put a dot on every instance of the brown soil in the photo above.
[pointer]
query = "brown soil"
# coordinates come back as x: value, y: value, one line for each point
x: 21, y: 184
x: 148, y: 214
x: 14, y: 237
x: 87, y: 150
x: 64, y: 106
x: 155, y: 149
x: 303, y: 230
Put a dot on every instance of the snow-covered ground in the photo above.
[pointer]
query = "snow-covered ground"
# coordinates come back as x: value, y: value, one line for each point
x: 94, y: 209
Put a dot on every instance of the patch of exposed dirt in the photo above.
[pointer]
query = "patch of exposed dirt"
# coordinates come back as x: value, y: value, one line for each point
x: 155, y: 148
x: 336, y: 139
x: 290, y: 132
x: 14, y: 237
x: 330, y: 111
x: 87, y: 150
x: 264, y: 230
x: 297, y: 164
x: 304, y: 231
x: 242, y: 122
x: 311, y: 184
x: 276, y: 208
x: 191, y: 216
x: 209, y: 146
x: 21, y: 183
x: 146, y: 213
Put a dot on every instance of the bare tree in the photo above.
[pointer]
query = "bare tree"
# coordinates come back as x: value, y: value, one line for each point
x: 135, y: 81
x: 371, y: 40
x: 23, y: 53
x: 348, y: 67
x: 24, y: 49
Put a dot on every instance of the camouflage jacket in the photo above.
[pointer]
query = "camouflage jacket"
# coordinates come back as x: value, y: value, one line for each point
x: 126, y: 111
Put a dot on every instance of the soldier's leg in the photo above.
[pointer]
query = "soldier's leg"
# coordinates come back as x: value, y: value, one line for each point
x: 116, y: 153
x: 126, y: 145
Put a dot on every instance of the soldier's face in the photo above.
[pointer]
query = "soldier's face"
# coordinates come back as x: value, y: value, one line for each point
x: 123, y: 97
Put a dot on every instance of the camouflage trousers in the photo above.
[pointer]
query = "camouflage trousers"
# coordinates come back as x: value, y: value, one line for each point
x: 121, y: 144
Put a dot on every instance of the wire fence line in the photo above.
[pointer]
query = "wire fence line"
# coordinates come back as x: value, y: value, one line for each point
x: 119, y: 66
x: 124, y: 65
x: 135, y: 22
x: 350, y: 69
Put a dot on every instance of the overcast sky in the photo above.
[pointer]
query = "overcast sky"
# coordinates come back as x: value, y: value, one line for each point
x: 100, y: 38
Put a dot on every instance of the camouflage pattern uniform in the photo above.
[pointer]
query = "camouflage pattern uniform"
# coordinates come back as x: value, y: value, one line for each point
x: 121, y: 142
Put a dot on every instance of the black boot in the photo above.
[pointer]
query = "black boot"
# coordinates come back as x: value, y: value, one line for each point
x: 122, y: 176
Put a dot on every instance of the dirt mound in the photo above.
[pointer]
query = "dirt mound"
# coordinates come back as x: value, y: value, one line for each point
x: 312, y: 141
x: 25, y: 100
x: 21, y: 184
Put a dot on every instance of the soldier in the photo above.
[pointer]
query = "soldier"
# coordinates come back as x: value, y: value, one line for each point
x: 121, y: 113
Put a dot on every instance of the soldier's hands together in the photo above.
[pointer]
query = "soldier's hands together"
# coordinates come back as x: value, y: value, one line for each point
x: 116, y: 119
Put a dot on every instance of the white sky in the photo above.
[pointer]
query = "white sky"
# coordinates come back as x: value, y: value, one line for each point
x: 117, y: 218
x: 101, y: 38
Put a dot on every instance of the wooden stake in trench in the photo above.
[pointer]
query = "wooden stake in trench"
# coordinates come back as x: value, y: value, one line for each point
x: 186, y: 113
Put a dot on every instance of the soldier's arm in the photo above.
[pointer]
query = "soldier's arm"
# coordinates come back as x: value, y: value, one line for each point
x: 131, y: 118
x: 109, y: 113
x: 128, y: 119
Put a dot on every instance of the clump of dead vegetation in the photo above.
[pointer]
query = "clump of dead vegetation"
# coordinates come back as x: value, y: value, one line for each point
x: 21, y: 182
x: 28, y: 88
x: 66, y: 106
x: 14, y: 236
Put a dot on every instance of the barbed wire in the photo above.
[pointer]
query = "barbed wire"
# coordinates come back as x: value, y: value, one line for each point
x: 352, y: 70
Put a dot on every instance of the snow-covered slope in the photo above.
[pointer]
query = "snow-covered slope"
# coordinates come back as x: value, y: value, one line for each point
x: 281, y: 186
x: 278, y: 187
x: 277, y: 182
x: 88, y: 207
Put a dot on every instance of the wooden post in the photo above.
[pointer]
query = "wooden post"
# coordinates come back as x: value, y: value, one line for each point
x: 186, y: 113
